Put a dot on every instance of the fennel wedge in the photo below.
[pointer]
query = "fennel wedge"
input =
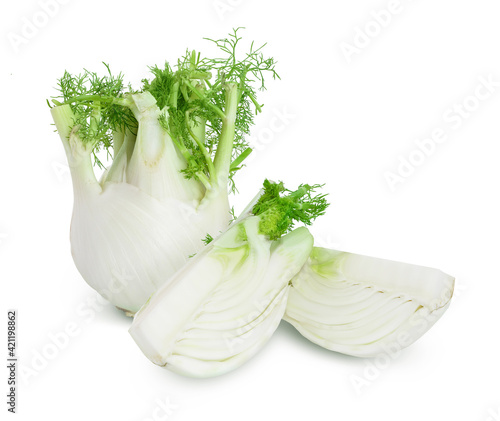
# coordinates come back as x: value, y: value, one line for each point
x: 226, y: 302
x: 363, y: 306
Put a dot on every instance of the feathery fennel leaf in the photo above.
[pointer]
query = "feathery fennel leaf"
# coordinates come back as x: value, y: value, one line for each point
x: 207, y: 106
x: 279, y: 208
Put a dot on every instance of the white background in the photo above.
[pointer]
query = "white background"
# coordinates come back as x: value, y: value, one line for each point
x: 353, y: 117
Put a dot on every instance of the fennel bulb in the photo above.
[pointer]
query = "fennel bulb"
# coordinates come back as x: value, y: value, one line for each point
x: 363, y: 306
x: 226, y: 302
x: 176, y: 145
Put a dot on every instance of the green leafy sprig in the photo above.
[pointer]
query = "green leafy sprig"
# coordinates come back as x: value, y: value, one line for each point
x: 280, y: 208
x: 97, y: 104
x: 193, y: 100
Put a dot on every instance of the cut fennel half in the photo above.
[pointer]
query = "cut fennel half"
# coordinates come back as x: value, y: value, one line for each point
x: 223, y: 305
x: 226, y: 302
x: 364, y: 306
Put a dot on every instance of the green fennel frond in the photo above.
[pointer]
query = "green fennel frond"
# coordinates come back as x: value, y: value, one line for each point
x: 95, y: 102
x: 279, y: 208
x: 193, y: 102
x: 208, y: 239
x: 196, y: 103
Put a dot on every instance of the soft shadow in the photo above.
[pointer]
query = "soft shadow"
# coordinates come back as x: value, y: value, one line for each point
x: 113, y: 315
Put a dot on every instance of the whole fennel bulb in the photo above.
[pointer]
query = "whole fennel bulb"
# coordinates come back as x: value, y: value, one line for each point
x: 176, y: 144
x: 124, y: 241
